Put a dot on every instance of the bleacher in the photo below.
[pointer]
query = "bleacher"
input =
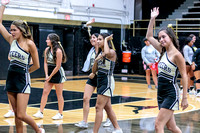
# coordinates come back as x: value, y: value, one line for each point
x: 190, y: 21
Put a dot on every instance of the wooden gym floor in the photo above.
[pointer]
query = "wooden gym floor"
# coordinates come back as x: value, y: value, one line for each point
x: 134, y: 104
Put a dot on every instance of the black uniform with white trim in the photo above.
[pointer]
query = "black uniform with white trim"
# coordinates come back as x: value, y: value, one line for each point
x: 168, y: 90
x: 58, y: 77
x: 105, y: 79
x: 18, y: 78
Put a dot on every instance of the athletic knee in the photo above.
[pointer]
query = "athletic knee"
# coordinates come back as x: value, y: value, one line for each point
x: 45, y: 93
x: 174, y: 129
x: 20, y: 116
x: 169, y: 128
x: 98, y: 108
x: 158, y: 126
x: 86, y: 99
x: 60, y: 99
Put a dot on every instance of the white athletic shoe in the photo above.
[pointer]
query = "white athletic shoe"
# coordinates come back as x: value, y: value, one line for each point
x: 42, y: 130
x: 117, y: 131
x: 198, y: 94
x: 9, y: 114
x: 149, y: 87
x: 10, y: 121
x: 82, y: 124
x: 38, y: 115
x: 192, y: 92
x: 107, y: 123
x: 58, y: 116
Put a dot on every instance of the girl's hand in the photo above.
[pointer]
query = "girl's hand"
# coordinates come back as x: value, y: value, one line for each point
x: 184, y: 103
x: 5, y: 2
x: 47, y: 78
x: 149, y: 64
x: 91, y: 76
x: 193, y: 66
x: 154, y: 12
x: 109, y: 37
x: 90, y: 22
x: 100, y: 56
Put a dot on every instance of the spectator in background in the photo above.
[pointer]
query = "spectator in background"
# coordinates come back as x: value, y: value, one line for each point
x: 193, y: 40
x: 196, y: 67
x: 150, y: 57
x: 188, y: 52
x: 194, y: 48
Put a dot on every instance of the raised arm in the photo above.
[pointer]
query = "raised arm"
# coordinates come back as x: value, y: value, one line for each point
x: 110, y: 53
x: 149, y: 35
x: 89, y: 27
x: 7, y: 36
x: 90, y: 22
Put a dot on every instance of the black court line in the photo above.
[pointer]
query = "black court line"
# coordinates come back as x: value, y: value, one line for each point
x: 75, y: 99
x: 130, y: 79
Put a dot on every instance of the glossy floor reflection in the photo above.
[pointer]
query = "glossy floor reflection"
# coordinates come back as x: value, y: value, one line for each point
x: 135, y: 107
x: 188, y: 123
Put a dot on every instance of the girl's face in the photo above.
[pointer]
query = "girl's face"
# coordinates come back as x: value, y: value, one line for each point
x: 100, y: 41
x: 48, y: 41
x: 191, y: 43
x: 15, y: 32
x: 194, y: 39
x: 93, y: 40
x: 164, y: 39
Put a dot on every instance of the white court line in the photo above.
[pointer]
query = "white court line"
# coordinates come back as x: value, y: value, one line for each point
x: 64, y: 101
x: 139, y: 93
x: 73, y: 100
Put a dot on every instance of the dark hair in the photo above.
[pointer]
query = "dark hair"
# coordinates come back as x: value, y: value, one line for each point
x: 145, y: 39
x: 24, y: 28
x: 55, y: 41
x: 188, y: 40
x: 172, y: 36
x: 104, y: 35
x: 191, y: 35
x: 96, y: 34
